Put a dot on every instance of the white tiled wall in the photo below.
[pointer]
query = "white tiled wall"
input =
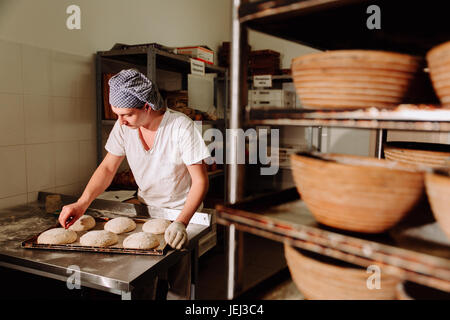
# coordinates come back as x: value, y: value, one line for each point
x: 12, y: 126
x: 48, y: 122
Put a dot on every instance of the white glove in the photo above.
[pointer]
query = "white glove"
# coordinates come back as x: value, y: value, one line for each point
x: 176, y: 235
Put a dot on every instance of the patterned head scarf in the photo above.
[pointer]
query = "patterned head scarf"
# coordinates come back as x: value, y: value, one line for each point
x: 131, y: 89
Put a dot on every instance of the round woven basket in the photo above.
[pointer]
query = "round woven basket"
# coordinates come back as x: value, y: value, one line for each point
x: 431, y: 155
x: 323, y: 278
x: 438, y: 59
x: 353, y: 78
x: 438, y: 191
x: 356, y: 193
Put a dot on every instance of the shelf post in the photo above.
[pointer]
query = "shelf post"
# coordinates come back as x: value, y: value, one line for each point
x: 151, y: 64
x: 381, y: 138
x: 235, y: 171
x: 237, y: 96
x: 319, y: 139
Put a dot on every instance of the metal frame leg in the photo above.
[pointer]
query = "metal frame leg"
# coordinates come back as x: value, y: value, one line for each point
x: 231, y: 261
x: 125, y: 295
x: 235, y: 259
x: 381, y: 139
x: 143, y: 289
x: 319, y: 139
x: 194, y: 271
x: 235, y: 171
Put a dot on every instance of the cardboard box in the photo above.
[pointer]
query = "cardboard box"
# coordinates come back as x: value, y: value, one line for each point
x: 200, y: 53
x: 271, y: 98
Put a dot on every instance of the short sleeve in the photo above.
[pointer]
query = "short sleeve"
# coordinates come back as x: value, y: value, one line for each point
x: 115, y: 144
x: 192, y: 146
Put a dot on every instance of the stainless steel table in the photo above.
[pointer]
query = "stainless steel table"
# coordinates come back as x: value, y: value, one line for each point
x: 116, y: 273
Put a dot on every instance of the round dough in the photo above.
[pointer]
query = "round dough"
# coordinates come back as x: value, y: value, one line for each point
x: 140, y: 240
x: 84, y: 223
x: 156, y: 226
x: 120, y: 225
x: 99, y: 238
x: 57, y: 236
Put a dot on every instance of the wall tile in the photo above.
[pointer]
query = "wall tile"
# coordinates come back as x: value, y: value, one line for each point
x: 33, y: 196
x: 71, y: 190
x: 12, y: 131
x: 88, y: 159
x: 66, y: 122
x: 65, y: 74
x: 86, y: 84
x: 72, y: 75
x: 36, y: 70
x: 67, y: 162
x: 38, y: 119
x: 13, y: 201
x: 40, y: 167
x: 88, y: 119
x: 12, y: 171
x: 11, y: 65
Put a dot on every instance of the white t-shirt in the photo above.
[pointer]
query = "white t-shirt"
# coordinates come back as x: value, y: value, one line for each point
x: 161, y: 172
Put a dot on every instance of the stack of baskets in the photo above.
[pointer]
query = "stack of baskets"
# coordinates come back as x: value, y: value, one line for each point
x: 324, y: 278
x: 430, y: 155
x: 363, y: 194
x: 438, y: 60
x: 438, y: 192
x: 435, y: 159
x: 356, y: 193
x: 354, y: 78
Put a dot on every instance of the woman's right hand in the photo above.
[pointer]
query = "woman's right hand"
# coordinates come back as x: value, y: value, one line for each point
x: 71, y: 213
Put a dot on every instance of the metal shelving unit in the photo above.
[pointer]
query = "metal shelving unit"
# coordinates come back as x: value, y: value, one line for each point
x: 335, y: 24
x: 405, y: 117
x: 282, y: 216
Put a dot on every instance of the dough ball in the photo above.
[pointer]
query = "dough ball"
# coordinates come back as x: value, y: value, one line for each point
x: 57, y: 236
x: 120, y: 225
x: 99, y: 238
x: 140, y: 240
x: 84, y: 223
x: 156, y: 226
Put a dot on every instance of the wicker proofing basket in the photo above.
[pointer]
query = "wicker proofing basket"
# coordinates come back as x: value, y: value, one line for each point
x: 353, y: 78
x: 431, y: 155
x: 438, y: 60
x: 325, y: 278
x: 356, y: 193
x: 438, y: 191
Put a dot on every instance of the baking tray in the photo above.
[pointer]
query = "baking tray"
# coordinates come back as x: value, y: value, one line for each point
x: 31, y: 243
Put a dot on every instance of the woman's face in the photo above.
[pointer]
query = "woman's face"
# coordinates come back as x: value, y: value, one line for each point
x: 130, y: 117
